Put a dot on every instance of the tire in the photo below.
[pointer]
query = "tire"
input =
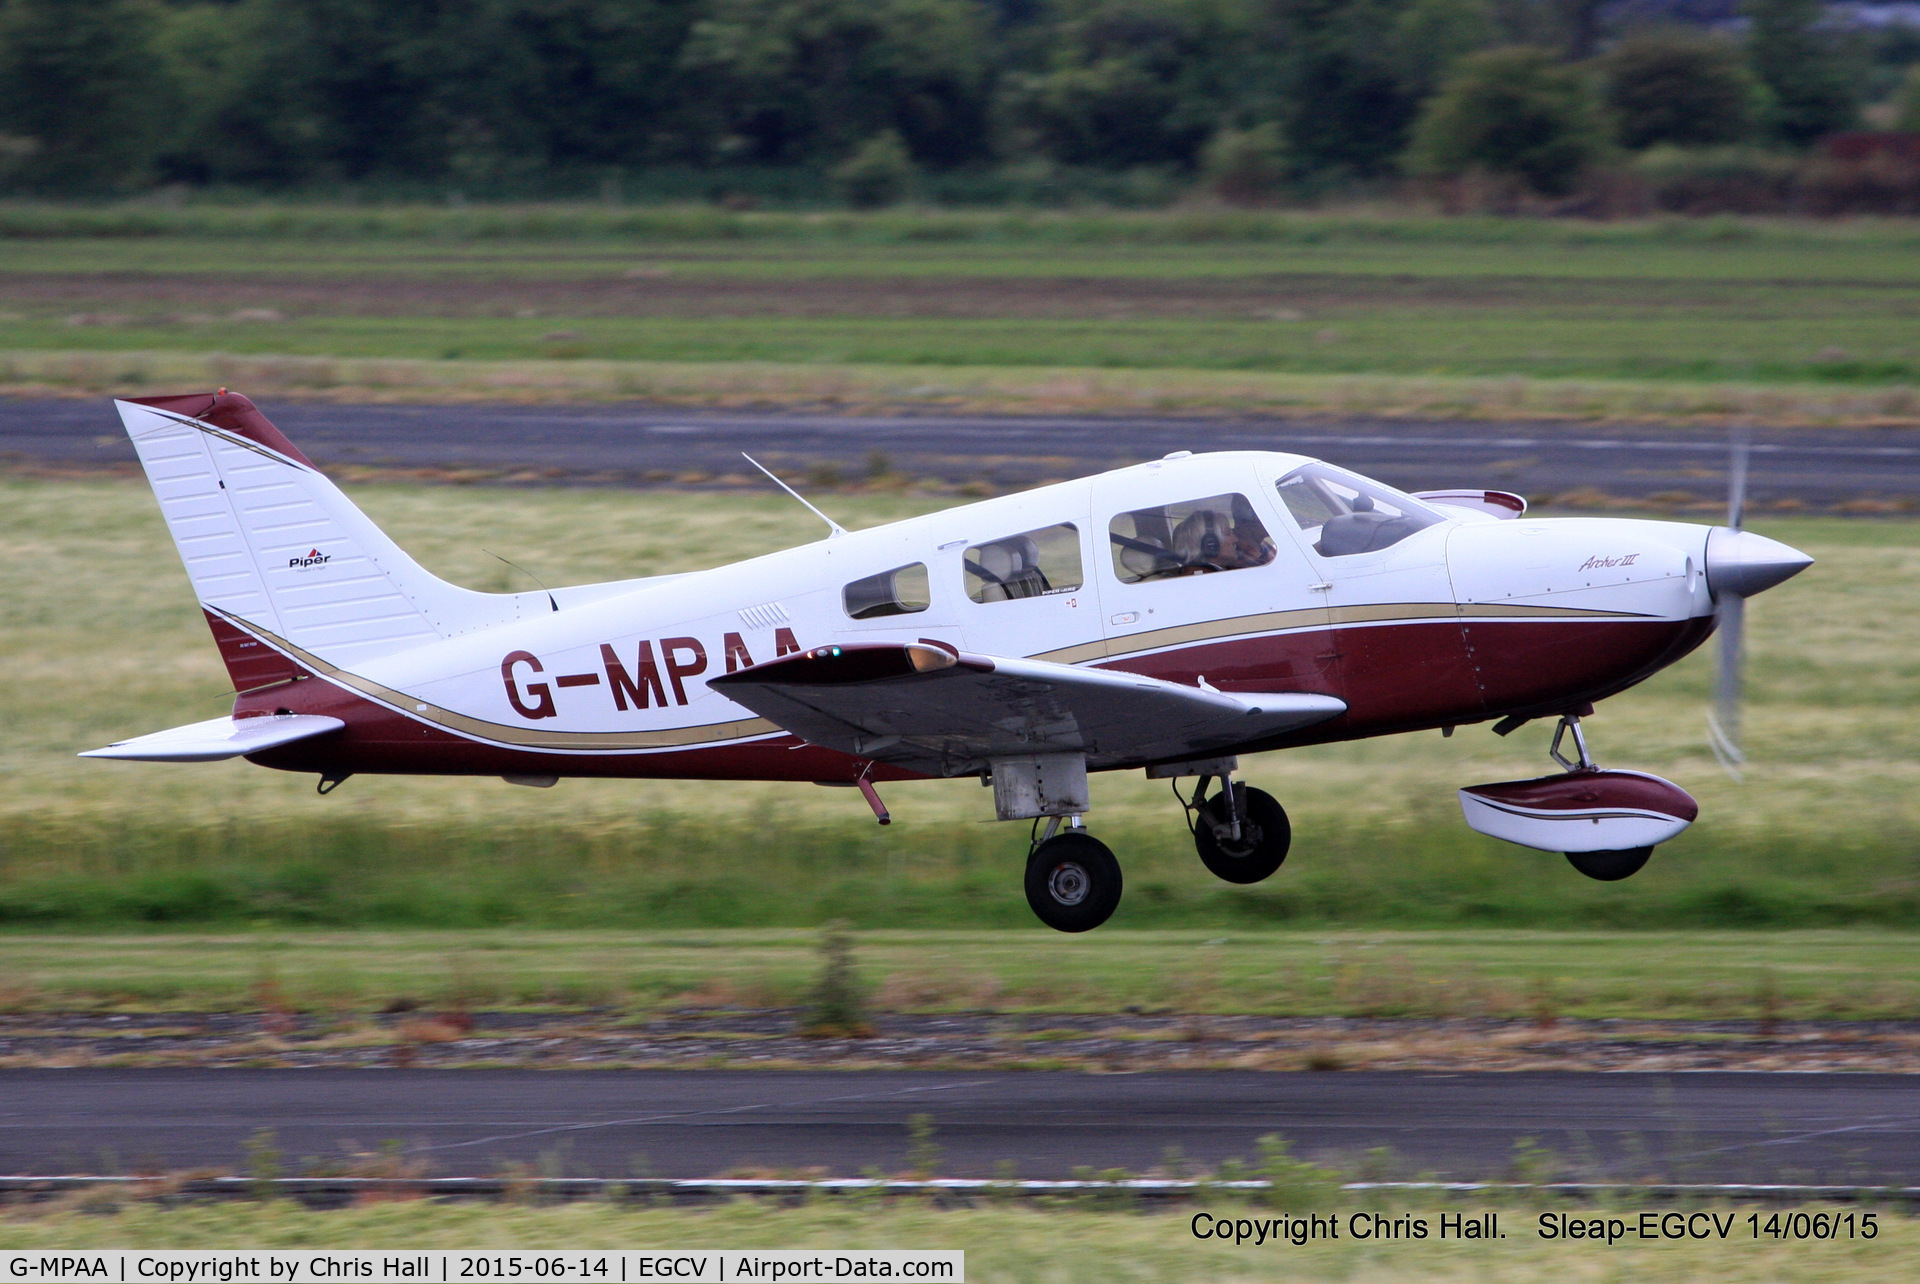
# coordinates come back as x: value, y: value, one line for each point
x: 1073, y: 882
x: 1265, y: 835
x: 1610, y: 867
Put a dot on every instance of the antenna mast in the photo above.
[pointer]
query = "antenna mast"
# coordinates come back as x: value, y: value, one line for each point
x: 835, y: 528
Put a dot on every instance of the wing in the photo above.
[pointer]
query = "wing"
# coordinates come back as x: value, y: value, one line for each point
x: 218, y: 738
x: 947, y: 714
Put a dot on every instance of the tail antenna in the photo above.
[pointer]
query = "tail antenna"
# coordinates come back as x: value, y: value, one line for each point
x: 529, y: 574
x: 834, y: 528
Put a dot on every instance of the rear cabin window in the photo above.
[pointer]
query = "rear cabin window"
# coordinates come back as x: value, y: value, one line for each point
x: 901, y: 591
x: 1219, y: 533
x: 1344, y: 514
x: 1030, y: 565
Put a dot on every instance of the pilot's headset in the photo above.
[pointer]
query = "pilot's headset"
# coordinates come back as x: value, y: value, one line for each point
x: 1201, y: 536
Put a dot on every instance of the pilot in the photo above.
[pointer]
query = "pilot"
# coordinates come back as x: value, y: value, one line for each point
x: 1209, y: 540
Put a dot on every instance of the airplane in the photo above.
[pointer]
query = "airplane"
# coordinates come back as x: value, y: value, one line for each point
x: 1169, y: 617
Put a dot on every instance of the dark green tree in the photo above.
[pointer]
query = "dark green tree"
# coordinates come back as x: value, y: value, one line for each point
x: 84, y: 93
x: 783, y: 81
x: 1514, y: 111
x: 1119, y: 82
x: 879, y: 172
x: 1678, y: 86
x: 241, y: 114
x: 1347, y: 98
x: 603, y: 85
x: 1803, y: 68
x: 1429, y: 36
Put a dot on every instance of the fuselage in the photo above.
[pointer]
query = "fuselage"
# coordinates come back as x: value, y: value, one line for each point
x: 1449, y: 617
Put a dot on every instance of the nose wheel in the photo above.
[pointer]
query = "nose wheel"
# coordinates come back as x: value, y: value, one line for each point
x: 1610, y: 867
x: 1073, y: 882
x: 1602, y: 867
x: 1241, y: 833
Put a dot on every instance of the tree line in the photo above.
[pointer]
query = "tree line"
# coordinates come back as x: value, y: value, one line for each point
x: 106, y: 96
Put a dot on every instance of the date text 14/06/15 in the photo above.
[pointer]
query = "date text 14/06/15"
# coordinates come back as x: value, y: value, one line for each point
x: 1777, y: 1226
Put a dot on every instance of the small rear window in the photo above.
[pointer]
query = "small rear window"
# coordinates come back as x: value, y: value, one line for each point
x: 901, y: 591
x: 1032, y: 564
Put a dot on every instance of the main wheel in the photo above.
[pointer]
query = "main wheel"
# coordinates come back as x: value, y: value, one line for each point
x: 1610, y: 867
x: 1073, y: 882
x: 1265, y: 836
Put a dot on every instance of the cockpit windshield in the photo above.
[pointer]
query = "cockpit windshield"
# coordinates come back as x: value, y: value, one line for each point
x: 1344, y: 513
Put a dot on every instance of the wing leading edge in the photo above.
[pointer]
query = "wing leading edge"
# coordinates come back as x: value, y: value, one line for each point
x: 948, y: 713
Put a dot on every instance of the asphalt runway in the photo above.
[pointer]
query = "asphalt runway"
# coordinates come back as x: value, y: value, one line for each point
x: 626, y: 444
x: 1711, y: 1127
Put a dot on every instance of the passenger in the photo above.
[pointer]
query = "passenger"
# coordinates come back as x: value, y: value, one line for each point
x: 1252, y: 547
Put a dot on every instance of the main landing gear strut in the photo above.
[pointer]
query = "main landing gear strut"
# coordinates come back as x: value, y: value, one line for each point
x: 1073, y: 882
x: 1241, y: 833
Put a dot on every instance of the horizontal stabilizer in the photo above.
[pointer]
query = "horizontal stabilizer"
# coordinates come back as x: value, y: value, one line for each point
x: 218, y: 738
x: 945, y: 713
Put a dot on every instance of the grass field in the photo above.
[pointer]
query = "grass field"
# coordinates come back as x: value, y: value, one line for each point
x: 102, y: 641
x: 1004, y: 1244
x: 1773, y: 318
x: 1694, y: 975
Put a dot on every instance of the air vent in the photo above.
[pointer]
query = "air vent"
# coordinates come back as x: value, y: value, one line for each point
x: 765, y: 616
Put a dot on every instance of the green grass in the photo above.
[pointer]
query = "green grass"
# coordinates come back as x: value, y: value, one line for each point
x: 1768, y: 341
x: 1065, y: 1244
x: 220, y: 219
x: 1693, y: 975
x: 1790, y: 305
x: 102, y: 641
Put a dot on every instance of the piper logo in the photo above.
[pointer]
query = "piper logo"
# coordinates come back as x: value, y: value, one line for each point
x: 313, y: 558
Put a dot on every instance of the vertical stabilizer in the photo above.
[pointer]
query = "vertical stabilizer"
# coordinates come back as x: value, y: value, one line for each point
x: 277, y: 553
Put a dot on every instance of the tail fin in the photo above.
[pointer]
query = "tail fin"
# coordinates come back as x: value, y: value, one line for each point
x: 277, y: 553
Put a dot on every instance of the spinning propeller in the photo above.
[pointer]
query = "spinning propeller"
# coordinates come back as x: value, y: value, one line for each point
x: 1739, y: 564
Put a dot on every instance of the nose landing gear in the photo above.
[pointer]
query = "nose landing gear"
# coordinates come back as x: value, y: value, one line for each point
x: 1606, y: 823
x: 1610, y: 867
x: 1603, y: 866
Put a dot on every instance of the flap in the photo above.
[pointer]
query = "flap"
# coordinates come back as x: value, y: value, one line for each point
x: 947, y: 713
x: 218, y: 738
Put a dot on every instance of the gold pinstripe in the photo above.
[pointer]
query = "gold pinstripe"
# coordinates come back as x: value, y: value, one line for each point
x: 718, y: 732
x: 1319, y: 617
x: 519, y: 737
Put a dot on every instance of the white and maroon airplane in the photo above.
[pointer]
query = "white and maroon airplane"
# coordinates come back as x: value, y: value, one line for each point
x: 1169, y: 616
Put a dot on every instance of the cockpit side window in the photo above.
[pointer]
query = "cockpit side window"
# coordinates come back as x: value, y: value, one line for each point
x: 904, y: 590
x: 1345, y: 514
x: 1033, y: 564
x: 1197, y: 536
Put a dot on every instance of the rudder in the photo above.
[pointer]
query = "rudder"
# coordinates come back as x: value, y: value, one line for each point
x: 277, y: 553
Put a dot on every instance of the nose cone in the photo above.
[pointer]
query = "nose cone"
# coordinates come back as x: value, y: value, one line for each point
x: 1742, y: 563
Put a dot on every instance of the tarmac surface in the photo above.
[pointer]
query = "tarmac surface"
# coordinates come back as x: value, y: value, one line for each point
x: 635, y: 443
x: 1688, y: 1127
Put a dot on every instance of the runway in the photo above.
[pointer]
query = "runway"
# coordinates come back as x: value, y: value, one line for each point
x: 1687, y: 1127
x: 632, y: 443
